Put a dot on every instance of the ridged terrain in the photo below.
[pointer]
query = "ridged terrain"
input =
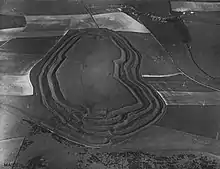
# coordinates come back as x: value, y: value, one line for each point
x: 92, y: 84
